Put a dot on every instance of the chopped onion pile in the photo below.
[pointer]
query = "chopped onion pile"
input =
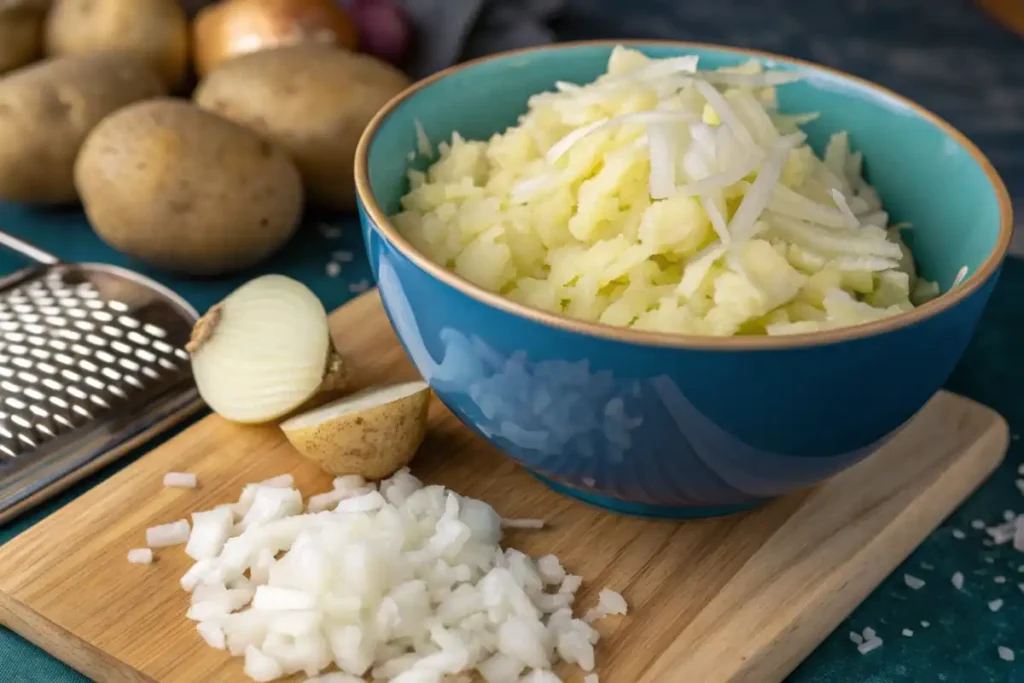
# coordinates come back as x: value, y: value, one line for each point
x: 400, y: 582
x: 665, y: 198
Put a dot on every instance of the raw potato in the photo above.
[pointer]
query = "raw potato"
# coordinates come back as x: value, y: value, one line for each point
x: 227, y: 29
x: 313, y: 100
x: 185, y: 190
x: 373, y: 433
x: 21, y: 38
x: 156, y: 29
x: 46, y: 111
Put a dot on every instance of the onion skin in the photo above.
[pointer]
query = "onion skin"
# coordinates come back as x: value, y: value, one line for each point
x: 235, y: 27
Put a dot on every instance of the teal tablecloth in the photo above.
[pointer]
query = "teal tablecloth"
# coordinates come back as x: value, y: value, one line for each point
x: 945, y: 54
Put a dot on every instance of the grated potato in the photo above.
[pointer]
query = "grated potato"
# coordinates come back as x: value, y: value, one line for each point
x: 663, y: 198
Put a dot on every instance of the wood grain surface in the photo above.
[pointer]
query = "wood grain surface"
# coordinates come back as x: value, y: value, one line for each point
x: 738, y: 599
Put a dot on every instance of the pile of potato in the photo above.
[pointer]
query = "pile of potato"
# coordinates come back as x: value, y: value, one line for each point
x: 96, y: 106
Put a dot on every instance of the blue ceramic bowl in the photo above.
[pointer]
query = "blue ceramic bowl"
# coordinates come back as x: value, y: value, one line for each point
x: 669, y: 425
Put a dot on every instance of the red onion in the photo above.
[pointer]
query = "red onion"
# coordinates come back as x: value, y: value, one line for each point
x: 384, y: 29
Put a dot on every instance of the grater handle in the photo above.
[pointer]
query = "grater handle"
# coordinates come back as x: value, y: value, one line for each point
x: 26, y: 249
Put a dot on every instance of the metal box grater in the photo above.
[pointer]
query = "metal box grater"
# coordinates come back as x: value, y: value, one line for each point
x: 92, y: 364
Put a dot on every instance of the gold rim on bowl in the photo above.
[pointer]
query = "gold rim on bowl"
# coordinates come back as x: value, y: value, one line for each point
x: 647, y: 338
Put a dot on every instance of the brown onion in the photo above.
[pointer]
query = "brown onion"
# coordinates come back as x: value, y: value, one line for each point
x: 234, y: 27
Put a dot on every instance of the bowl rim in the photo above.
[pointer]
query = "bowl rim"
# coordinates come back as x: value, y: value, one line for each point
x: 944, y: 301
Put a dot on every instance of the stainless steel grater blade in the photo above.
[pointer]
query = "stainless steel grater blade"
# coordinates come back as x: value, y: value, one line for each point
x: 92, y: 364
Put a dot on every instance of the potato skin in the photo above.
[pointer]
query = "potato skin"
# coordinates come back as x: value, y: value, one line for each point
x: 48, y: 108
x: 374, y: 443
x: 313, y: 100
x: 156, y: 29
x: 21, y: 38
x: 185, y: 190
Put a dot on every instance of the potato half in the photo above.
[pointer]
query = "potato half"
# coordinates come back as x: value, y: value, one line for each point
x: 373, y: 433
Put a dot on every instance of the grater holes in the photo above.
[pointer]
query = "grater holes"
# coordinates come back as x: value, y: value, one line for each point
x: 151, y: 373
x: 64, y: 359
x: 163, y: 347
x: 47, y: 368
x: 7, y: 451
x: 118, y: 306
x: 95, y: 383
x: 102, y: 316
x: 116, y: 391
x: 141, y: 339
x: 94, y: 304
x: 95, y: 340
x: 112, y: 331
x: 167, y: 365
x: 78, y: 393
x: 15, y: 403
x: 111, y: 374
x: 81, y: 350
x: 21, y: 422
x: 181, y: 353
x: 146, y: 356
x: 133, y: 381
x: 129, y: 322
x: 7, y: 385
x: 58, y: 345
x: 38, y: 412
x: 41, y: 354
x: 154, y: 331
x: 88, y: 366
x: 14, y: 338
x: 36, y: 340
x: 34, y: 394
x: 59, y: 402
x: 99, y: 401
x: 24, y: 437
x: 71, y: 375
x: 84, y: 325
x: 129, y: 365
x: 82, y: 411
x: 27, y: 377
x: 106, y: 357
x: 69, y: 334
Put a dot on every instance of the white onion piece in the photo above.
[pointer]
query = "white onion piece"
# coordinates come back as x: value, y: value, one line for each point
x: 174, y: 533
x: 210, y: 531
x: 663, y: 143
x: 644, y: 118
x: 183, y: 480
x: 512, y: 523
x: 722, y: 179
x: 140, y: 556
x: 263, y: 351
x: 844, y: 208
x: 283, y: 481
x: 741, y: 227
x: 725, y: 111
x: 786, y: 202
x: 768, y: 79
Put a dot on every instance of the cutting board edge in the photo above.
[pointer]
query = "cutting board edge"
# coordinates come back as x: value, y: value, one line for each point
x: 994, y: 445
x: 76, y: 652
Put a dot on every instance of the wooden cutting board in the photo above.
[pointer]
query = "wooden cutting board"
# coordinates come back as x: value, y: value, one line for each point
x: 740, y: 599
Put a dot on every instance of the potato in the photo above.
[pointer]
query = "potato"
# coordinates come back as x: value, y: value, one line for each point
x: 21, y: 38
x: 230, y: 28
x: 373, y: 433
x: 313, y: 100
x: 156, y: 29
x: 47, y: 109
x: 185, y: 190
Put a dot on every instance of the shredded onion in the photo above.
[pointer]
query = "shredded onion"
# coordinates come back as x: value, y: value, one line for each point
x: 560, y: 148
